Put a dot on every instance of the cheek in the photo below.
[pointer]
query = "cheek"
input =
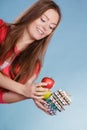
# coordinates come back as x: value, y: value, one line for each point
x: 32, y: 25
x: 48, y: 32
x: 31, y: 28
x: 36, y: 23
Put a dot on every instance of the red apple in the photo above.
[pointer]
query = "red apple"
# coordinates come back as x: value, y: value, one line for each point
x: 50, y: 82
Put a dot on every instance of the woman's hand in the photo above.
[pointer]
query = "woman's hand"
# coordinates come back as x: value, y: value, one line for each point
x: 41, y: 104
x: 33, y: 90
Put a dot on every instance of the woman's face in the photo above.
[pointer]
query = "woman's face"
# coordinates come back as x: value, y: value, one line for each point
x: 44, y: 25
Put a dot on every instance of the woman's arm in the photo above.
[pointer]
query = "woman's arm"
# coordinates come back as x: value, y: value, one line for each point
x: 11, y: 97
x: 11, y: 85
x: 29, y: 90
x: 19, y: 92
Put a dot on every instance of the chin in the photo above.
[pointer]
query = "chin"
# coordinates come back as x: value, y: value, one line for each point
x: 38, y: 38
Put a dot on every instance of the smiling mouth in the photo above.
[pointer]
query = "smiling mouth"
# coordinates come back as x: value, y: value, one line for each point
x: 40, y: 31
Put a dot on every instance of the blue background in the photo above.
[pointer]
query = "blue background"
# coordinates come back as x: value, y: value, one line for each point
x: 65, y: 61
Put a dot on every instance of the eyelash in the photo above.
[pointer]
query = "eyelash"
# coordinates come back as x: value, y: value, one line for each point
x: 43, y: 20
x: 51, y: 28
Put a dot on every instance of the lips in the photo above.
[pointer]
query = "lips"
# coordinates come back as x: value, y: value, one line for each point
x: 40, y: 31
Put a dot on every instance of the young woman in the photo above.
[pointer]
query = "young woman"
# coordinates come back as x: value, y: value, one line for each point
x: 23, y: 45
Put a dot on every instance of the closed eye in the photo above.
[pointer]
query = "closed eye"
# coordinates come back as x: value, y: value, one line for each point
x: 51, y: 27
x: 43, y: 20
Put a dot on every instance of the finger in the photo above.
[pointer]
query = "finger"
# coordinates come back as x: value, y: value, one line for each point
x: 41, y: 84
x: 42, y: 101
x: 42, y: 106
x: 40, y: 93
x: 41, y: 89
x: 37, y: 97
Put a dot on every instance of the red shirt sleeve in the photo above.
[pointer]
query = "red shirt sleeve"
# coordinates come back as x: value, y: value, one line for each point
x: 3, y: 30
x: 1, y: 97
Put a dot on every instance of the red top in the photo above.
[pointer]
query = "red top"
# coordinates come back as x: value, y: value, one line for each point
x: 5, y: 66
x: 3, y: 30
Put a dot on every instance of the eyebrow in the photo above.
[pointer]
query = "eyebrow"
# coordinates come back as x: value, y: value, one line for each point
x: 48, y: 18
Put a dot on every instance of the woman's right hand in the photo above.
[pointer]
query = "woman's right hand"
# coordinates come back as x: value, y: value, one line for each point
x: 33, y: 90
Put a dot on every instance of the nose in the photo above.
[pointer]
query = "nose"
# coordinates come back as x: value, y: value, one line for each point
x: 46, y: 26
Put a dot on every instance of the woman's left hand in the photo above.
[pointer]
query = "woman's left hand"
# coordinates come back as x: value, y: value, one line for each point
x: 41, y: 104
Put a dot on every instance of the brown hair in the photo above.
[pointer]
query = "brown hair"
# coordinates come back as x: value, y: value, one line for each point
x: 35, y: 52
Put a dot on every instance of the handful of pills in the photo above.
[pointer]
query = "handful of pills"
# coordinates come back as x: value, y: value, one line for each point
x: 56, y: 101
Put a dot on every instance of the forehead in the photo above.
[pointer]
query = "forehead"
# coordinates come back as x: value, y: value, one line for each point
x: 52, y: 15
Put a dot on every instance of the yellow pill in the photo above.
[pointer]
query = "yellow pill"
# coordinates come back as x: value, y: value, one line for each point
x: 47, y: 95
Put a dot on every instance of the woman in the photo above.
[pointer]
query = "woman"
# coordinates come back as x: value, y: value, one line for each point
x: 23, y: 45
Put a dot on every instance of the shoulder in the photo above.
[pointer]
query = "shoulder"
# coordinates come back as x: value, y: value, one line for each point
x: 3, y: 30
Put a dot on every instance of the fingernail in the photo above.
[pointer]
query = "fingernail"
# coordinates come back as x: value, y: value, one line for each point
x: 45, y: 83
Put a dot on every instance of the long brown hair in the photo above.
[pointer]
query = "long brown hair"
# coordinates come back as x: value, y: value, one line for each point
x: 35, y: 52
